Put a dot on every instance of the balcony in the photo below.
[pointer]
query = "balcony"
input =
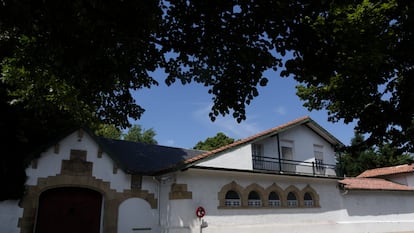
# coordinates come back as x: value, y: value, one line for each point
x: 286, y: 166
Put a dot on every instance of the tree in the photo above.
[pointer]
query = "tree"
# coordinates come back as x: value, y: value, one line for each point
x: 70, y: 63
x: 359, y: 157
x: 109, y: 131
x: 214, y: 142
x: 83, y: 57
x: 137, y: 134
x: 357, y: 63
x: 66, y: 64
x: 134, y: 134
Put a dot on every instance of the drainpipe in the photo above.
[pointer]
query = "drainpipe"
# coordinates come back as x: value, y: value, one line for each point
x: 278, y: 152
x: 156, y: 179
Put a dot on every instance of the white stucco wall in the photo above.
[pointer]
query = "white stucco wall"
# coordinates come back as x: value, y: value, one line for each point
x: 353, y: 212
x: 136, y: 215
x: 240, y: 158
x: 270, y: 148
x: 410, y: 179
x: 301, y: 138
x: 304, y: 139
x: 205, y: 186
x: 9, y: 216
x: 49, y: 164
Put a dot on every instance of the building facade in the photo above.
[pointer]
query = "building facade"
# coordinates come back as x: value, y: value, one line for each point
x: 283, y: 179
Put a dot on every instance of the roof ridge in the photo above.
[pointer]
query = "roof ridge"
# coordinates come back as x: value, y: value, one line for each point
x: 391, y: 170
x: 369, y: 183
x: 149, y: 144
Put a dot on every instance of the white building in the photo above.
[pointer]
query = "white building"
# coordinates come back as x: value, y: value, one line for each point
x: 280, y: 180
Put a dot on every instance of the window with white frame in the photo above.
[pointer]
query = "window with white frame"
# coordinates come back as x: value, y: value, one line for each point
x: 292, y: 200
x: 318, y: 153
x: 287, y: 157
x: 308, y: 200
x: 274, y: 200
x: 232, y: 199
x: 254, y: 199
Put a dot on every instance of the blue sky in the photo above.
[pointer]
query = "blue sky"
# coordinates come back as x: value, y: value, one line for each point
x: 179, y: 113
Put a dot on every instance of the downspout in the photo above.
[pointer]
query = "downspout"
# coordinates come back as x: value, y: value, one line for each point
x: 278, y: 152
x: 159, y: 199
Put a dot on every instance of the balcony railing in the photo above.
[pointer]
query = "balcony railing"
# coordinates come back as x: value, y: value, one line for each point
x: 287, y: 166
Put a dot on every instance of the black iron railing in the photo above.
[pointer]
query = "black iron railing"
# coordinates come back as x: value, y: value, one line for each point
x: 294, y: 167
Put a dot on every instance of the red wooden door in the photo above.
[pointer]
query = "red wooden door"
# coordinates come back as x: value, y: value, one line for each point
x: 69, y: 210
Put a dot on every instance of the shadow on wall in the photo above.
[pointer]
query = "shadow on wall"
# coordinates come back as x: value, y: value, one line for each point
x: 377, y: 203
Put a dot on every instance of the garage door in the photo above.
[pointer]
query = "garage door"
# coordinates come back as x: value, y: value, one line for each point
x: 69, y: 210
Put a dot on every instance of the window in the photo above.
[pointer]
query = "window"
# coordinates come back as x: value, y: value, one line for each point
x: 257, y: 150
x: 257, y: 155
x: 274, y: 200
x: 287, y: 156
x: 292, y: 200
x: 318, y: 153
x: 136, y: 182
x: 254, y: 199
x: 232, y: 199
x: 308, y: 200
x: 254, y: 196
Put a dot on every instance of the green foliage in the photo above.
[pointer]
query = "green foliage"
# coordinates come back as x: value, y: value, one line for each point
x: 137, y: 134
x: 359, y: 157
x: 70, y: 63
x: 109, y: 131
x: 356, y: 63
x: 134, y: 134
x: 214, y: 142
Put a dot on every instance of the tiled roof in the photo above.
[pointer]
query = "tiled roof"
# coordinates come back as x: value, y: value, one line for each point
x: 303, y: 120
x: 373, y: 184
x: 388, y: 171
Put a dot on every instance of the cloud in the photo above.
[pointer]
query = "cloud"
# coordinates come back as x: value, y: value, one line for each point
x: 280, y: 110
x: 240, y: 130
x: 169, y: 142
x: 228, y: 125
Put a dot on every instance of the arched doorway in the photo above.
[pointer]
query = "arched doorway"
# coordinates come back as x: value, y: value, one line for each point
x: 69, y: 210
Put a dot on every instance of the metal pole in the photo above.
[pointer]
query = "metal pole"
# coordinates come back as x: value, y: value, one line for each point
x: 278, y: 151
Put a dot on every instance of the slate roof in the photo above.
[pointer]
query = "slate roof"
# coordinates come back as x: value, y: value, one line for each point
x: 372, y: 184
x: 144, y: 159
x: 306, y: 120
x: 384, y: 171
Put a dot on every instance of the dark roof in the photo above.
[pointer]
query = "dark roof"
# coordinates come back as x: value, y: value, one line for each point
x: 306, y: 120
x: 144, y: 159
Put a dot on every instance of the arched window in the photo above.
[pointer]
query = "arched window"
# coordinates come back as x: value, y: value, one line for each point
x: 254, y: 199
x: 308, y: 200
x: 274, y: 200
x: 292, y: 200
x: 232, y: 199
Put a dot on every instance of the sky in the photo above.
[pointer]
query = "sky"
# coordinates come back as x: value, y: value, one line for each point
x: 179, y: 113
